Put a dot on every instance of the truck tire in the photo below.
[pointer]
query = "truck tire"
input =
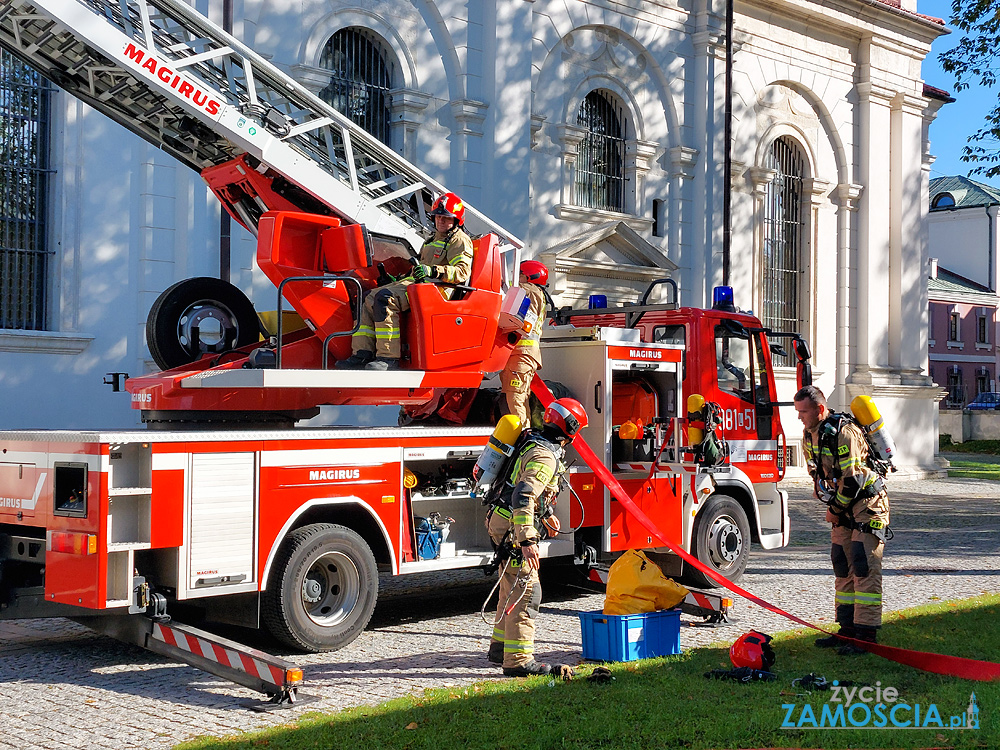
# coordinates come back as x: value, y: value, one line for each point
x: 322, y: 589
x: 720, y: 540
x: 224, y: 316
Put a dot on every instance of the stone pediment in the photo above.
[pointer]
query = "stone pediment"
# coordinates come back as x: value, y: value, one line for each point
x: 611, y: 258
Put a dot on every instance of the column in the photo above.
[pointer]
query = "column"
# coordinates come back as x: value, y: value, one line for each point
x: 872, y: 364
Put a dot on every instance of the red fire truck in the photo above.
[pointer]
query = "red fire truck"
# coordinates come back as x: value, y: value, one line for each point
x: 221, y: 504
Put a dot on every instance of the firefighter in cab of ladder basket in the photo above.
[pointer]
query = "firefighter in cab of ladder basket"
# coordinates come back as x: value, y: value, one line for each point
x: 837, y: 455
x: 526, y: 357
x: 447, y: 256
x: 531, y: 482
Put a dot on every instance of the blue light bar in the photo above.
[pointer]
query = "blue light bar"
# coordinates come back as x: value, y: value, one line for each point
x: 722, y: 298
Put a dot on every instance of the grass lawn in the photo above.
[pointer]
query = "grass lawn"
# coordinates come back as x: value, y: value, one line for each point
x: 988, y: 447
x: 973, y: 469
x: 667, y: 703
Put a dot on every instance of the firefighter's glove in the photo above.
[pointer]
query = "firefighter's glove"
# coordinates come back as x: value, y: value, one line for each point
x: 422, y: 272
x: 563, y: 670
x: 601, y: 675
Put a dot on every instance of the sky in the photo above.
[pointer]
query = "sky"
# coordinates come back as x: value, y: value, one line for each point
x: 955, y: 121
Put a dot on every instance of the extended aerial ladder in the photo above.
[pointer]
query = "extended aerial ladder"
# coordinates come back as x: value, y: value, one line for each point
x: 279, y: 158
x: 170, y: 75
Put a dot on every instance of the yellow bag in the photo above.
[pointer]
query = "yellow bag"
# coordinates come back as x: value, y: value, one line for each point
x: 636, y: 584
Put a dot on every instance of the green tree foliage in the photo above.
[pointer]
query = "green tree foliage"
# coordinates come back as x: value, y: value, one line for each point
x: 976, y: 59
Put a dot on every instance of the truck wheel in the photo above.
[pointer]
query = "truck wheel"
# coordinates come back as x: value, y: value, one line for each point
x: 721, y: 540
x: 322, y: 589
x: 199, y: 316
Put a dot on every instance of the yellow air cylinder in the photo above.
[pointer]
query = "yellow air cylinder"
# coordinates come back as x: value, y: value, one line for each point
x: 499, y: 446
x: 696, y: 418
x: 867, y: 414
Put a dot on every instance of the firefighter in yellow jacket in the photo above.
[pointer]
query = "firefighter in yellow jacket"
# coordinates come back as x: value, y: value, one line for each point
x: 526, y: 357
x: 448, y: 256
x: 836, y: 453
x: 511, y: 523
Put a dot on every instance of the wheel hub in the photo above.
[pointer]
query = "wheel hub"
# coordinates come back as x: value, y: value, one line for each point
x: 331, y: 589
x: 725, y: 542
x: 312, y: 590
x: 207, y: 326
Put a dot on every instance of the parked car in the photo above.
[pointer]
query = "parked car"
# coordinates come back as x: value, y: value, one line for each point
x: 985, y: 401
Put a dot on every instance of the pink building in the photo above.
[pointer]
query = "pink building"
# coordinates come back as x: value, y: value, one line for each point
x: 962, y: 289
x: 962, y: 336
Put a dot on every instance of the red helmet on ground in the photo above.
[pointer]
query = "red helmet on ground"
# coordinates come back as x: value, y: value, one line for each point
x: 535, y: 272
x: 449, y: 205
x: 566, y: 415
x: 752, y: 650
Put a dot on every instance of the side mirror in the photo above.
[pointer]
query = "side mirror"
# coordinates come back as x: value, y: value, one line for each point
x: 803, y: 374
x: 801, y: 348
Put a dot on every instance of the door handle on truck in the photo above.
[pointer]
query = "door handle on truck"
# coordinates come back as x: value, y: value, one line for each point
x: 597, y: 397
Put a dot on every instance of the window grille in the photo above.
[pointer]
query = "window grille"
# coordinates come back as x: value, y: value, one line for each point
x: 982, y: 330
x: 781, y: 268
x: 982, y: 381
x: 24, y: 174
x: 956, y: 388
x: 360, y: 80
x: 600, y: 165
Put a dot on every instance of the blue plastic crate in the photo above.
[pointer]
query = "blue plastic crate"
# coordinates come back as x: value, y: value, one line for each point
x: 630, y: 637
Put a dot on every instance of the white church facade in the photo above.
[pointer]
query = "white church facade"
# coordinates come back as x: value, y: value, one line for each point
x: 558, y: 119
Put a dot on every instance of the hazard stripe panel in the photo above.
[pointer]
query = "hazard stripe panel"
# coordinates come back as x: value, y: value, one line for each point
x: 255, y: 666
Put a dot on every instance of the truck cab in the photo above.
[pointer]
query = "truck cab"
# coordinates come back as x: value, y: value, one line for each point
x: 727, y: 358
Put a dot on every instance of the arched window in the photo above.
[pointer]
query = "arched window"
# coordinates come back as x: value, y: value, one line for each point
x: 360, y: 79
x: 24, y: 175
x: 600, y: 167
x: 943, y: 200
x: 782, y: 262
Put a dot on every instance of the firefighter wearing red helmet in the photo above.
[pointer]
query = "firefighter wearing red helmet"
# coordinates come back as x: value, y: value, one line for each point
x: 526, y: 357
x: 530, y: 485
x: 446, y: 256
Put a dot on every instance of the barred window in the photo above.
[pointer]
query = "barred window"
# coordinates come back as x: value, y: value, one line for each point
x: 360, y: 79
x: 781, y: 267
x: 600, y: 166
x: 956, y: 389
x: 982, y: 381
x: 24, y: 160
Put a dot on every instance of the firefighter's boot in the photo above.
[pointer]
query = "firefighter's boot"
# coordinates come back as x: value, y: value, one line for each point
x: 383, y: 364
x: 832, y: 641
x: 495, y: 654
x: 356, y: 361
x: 862, y: 633
x: 530, y: 669
x: 845, y: 619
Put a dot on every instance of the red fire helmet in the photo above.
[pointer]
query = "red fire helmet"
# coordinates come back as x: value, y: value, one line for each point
x: 752, y: 650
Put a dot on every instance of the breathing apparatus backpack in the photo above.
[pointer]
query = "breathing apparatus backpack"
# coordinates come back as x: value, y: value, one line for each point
x: 704, y: 417
x: 866, y: 418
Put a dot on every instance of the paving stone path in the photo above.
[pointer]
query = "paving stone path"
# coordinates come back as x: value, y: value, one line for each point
x: 63, y: 686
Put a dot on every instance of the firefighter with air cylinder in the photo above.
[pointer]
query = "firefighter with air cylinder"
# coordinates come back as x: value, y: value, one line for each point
x: 848, y: 459
x: 517, y: 475
x: 526, y: 357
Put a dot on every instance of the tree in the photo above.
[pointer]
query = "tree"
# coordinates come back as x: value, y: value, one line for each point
x: 976, y: 59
